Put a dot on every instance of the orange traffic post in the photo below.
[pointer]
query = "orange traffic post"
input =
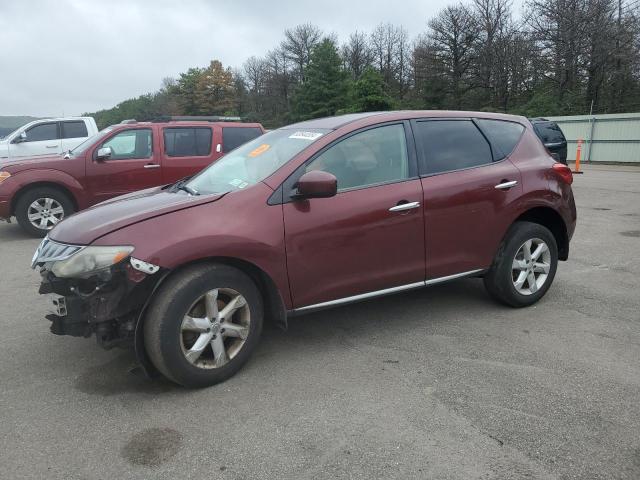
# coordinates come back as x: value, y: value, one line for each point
x: 578, y: 155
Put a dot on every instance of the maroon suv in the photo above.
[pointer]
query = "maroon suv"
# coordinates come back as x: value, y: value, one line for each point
x: 317, y: 214
x: 120, y: 159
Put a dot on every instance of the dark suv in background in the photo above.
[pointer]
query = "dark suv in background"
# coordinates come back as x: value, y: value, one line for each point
x: 552, y: 137
x: 120, y: 159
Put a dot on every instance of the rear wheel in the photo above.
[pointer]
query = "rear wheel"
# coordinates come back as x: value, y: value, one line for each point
x: 40, y: 209
x: 203, y: 325
x: 525, y: 265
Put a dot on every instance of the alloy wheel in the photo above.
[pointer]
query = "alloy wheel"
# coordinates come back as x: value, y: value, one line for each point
x: 45, y: 213
x: 531, y: 266
x: 215, y: 328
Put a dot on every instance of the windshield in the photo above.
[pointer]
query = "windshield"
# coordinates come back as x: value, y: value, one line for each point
x: 254, y: 161
x: 80, y: 149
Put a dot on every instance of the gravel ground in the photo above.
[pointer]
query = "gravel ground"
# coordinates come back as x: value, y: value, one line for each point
x: 438, y: 383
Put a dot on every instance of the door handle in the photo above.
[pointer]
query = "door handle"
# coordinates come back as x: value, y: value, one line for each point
x: 51, y: 146
x: 152, y: 165
x: 401, y: 207
x: 506, y: 185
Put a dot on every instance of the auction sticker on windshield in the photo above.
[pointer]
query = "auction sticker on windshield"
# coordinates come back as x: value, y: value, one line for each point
x: 306, y: 135
x: 260, y: 150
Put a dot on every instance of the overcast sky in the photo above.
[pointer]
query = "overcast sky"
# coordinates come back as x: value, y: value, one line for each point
x: 74, y: 56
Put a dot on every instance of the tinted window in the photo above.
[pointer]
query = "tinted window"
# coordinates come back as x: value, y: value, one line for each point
x: 503, y: 135
x: 374, y: 156
x: 74, y: 130
x: 233, y: 137
x: 187, y: 142
x: 45, y: 131
x: 447, y: 145
x: 130, y: 144
x: 549, y: 132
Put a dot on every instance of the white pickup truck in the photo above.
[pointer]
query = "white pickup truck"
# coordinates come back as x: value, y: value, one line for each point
x: 47, y: 136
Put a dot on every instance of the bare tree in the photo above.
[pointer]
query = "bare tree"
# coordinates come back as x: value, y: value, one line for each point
x: 357, y: 54
x: 297, y: 45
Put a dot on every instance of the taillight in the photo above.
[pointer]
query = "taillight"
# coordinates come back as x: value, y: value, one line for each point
x: 564, y: 172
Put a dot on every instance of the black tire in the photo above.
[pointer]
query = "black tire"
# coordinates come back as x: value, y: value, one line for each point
x: 499, y: 280
x: 34, y: 194
x: 163, y: 323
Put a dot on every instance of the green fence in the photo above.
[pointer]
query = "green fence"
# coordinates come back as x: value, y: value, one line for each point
x: 606, y: 138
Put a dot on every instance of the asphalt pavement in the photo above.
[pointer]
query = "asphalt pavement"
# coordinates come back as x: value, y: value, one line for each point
x: 437, y: 383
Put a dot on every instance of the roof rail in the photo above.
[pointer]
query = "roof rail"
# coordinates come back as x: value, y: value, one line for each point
x: 129, y: 120
x: 195, y: 118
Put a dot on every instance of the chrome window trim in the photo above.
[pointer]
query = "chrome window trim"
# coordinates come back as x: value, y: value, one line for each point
x: 386, y: 291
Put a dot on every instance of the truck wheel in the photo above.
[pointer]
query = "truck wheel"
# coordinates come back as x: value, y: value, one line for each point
x: 203, y: 325
x: 40, y: 209
x: 524, y: 266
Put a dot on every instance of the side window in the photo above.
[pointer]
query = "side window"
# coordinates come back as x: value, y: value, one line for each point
x: 233, y: 137
x: 187, y: 142
x: 503, y: 135
x: 447, y: 145
x: 378, y: 155
x: 74, y: 130
x: 130, y: 144
x: 44, y: 131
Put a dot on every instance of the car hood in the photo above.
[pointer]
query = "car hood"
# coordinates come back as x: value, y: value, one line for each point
x: 15, y: 165
x: 88, y: 225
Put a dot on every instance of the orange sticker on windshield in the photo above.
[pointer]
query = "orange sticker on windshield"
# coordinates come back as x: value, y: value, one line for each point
x: 260, y: 150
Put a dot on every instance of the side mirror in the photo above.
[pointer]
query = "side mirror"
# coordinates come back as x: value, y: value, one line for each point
x: 317, y: 184
x: 20, y: 138
x: 104, y: 153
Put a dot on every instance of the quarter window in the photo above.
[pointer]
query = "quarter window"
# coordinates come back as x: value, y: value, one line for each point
x: 130, y: 144
x: 187, y: 142
x: 504, y: 135
x: 42, y: 132
x: 378, y: 155
x: 74, y: 130
x: 447, y: 145
x: 233, y: 137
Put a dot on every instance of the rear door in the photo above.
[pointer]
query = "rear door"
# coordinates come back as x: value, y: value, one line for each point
x: 42, y: 139
x: 73, y: 133
x: 131, y: 167
x: 187, y: 149
x: 367, y: 238
x: 469, y: 187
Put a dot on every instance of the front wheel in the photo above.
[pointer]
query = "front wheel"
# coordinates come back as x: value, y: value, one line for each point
x: 525, y: 265
x: 40, y: 209
x: 203, y: 325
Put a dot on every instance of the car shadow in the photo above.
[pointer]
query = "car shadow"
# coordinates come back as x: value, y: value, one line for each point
x: 11, y: 232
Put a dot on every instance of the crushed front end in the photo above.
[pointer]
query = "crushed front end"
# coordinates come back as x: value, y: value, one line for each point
x: 100, y: 291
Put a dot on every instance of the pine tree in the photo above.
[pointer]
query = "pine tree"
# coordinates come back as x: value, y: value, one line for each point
x: 369, y: 94
x: 326, y: 87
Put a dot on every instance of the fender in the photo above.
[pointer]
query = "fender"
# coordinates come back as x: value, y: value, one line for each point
x: 51, y: 176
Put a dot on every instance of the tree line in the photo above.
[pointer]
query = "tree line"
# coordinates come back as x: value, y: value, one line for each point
x: 556, y: 57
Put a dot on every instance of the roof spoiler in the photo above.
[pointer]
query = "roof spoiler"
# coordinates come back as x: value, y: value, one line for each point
x: 195, y: 118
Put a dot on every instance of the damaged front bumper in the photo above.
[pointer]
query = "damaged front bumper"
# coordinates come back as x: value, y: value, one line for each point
x: 108, y: 304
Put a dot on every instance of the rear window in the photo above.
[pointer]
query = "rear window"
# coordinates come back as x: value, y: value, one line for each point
x: 187, y: 142
x: 549, y: 132
x: 74, y: 130
x: 447, y: 145
x: 503, y: 135
x: 233, y: 137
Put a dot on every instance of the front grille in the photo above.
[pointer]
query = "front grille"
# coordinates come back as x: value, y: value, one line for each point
x: 50, y: 251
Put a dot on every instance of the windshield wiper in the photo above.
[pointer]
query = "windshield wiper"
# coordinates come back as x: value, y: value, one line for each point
x: 188, y: 189
x: 181, y: 185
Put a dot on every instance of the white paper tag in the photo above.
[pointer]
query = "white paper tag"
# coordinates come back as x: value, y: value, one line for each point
x: 306, y: 135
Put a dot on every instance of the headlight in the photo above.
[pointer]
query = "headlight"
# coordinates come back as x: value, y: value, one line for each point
x: 4, y: 176
x: 90, y: 260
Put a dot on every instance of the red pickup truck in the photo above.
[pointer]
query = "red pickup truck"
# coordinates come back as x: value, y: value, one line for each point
x: 120, y: 159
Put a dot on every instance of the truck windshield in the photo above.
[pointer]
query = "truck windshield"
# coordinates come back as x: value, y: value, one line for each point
x: 254, y: 161
x: 80, y: 149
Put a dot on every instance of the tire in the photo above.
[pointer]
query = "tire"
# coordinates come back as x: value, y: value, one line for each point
x: 510, y: 266
x: 172, y: 342
x: 55, y: 206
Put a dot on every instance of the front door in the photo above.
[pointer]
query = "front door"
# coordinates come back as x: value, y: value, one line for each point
x: 41, y: 139
x: 465, y: 214
x: 367, y: 238
x: 131, y: 166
